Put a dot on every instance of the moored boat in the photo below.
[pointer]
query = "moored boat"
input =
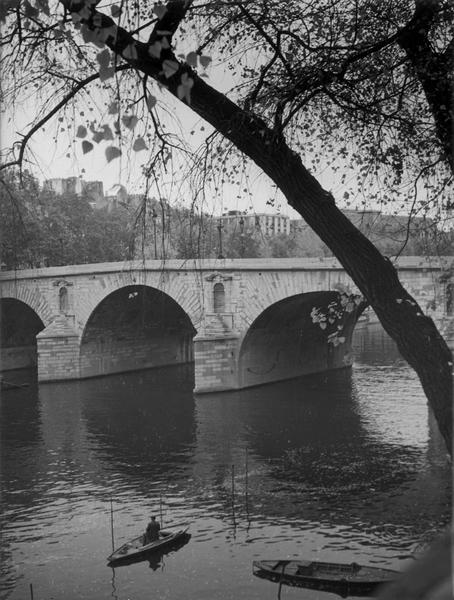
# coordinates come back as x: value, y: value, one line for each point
x: 344, y: 579
x: 137, y: 549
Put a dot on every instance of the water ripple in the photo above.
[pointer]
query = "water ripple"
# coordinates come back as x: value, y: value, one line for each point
x: 348, y: 468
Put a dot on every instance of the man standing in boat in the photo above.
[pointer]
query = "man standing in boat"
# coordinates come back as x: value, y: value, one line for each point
x: 152, y: 531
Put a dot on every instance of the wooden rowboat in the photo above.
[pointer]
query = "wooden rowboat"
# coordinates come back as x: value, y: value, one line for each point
x: 135, y: 549
x: 344, y: 579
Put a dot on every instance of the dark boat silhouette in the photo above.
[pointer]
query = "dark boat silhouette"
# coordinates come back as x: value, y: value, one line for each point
x: 170, y: 540
x: 339, y: 578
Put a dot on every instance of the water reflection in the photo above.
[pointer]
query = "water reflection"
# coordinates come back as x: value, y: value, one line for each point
x: 348, y: 466
x: 372, y: 346
x: 128, y: 421
x: 318, y: 458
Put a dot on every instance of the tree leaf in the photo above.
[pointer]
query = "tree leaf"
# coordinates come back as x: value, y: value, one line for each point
x: 29, y: 10
x: 205, y: 61
x: 184, y: 89
x: 191, y: 59
x: 113, y: 108
x: 155, y: 50
x: 187, y: 81
x: 76, y: 18
x: 88, y: 35
x: 170, y: 67
x: 87, y: 146
x: 130, y: 52
x: 159, y: 10
x: 151, y: 101
x: 106, y: 73
x: 97, y: 136
x: 139, y: 145
x: 107, y: 133
x: 115, y: 11
x: 181, y: 91
x: 105, y: 32
x: 129, y: 121
x: 44, y: 6
x: 103, y: 58
x: 112, y: 152
x: 81, y: 131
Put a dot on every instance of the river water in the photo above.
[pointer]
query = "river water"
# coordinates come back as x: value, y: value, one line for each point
x: 344, y: 467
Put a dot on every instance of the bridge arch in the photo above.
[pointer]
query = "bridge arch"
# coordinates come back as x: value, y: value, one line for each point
x: 135, y: 327
x: 283, y: 342
x: 20, y: 325
x: 32, y: 297
x: 175, y: 285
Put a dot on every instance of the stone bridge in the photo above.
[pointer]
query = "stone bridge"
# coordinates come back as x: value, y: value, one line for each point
x: 243, y: 322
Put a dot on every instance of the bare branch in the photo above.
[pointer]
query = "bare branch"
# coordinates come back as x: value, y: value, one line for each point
x: 76, y: 88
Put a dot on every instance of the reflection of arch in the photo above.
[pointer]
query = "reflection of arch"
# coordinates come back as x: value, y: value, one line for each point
x: 135, y: 327
x: 283, y: 341
x: 63, y: 300
x: 19, y: 327
x: 218, y: 298
x: 160, y: 419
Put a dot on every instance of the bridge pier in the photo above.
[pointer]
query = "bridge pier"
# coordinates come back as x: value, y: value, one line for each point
x: 216, y: 362
x: 58, y: 351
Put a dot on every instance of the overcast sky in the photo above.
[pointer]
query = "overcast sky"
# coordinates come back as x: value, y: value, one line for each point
x: 65, y: 159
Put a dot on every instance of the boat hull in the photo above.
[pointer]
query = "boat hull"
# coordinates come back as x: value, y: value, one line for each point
x: 345, y: 580
x: 134, y: 550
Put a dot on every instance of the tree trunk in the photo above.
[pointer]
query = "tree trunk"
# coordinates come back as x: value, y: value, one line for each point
x: 433, y: 69
x: 416, y: 336
x: 418, y: 339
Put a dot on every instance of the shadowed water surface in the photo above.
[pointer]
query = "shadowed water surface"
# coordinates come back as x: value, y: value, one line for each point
x: 343, y: 467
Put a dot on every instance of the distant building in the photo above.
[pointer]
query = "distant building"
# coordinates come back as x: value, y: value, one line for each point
x: 268, y: 224
x: 92, y: 190
x: 388, y: 232
x: 116, y: 196
x: 362, y: 219
x: 67, y: 185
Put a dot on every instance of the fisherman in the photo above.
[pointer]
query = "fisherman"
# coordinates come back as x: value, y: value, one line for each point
x: 152, y: 531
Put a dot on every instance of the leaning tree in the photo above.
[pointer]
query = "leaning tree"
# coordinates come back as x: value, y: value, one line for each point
x: 364, y: 85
